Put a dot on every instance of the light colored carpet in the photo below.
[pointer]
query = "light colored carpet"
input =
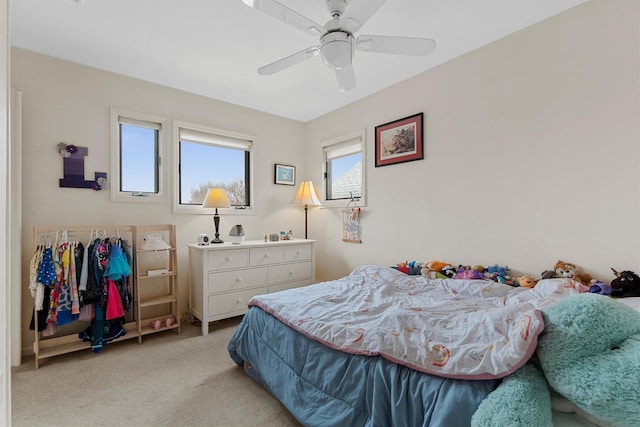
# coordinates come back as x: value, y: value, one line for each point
x: 168, y: 380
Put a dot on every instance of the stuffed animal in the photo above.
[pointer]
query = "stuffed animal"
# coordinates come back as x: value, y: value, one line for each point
x: 500, y: 274
x: 498, y: 269
x: 626, y: 284
x: 402, y: 267
x: 571, y: 271
x: 526, y: 281
x: 479, y: 268
x: 601, y: 288
x: 433, y: 269
x: 581, y: 373
x: 411, y: 268
x: 466, y: 272
x: 448, y: 271
x: 548, y: 274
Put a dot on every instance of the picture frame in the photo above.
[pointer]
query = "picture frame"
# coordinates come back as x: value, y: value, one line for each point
x: 284, y: 174
x: 400, y: 141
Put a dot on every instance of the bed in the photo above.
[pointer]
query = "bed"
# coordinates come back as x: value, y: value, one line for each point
x: 380, y: 348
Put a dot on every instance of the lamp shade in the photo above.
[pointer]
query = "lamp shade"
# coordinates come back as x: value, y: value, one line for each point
x: 216, y: 198
x: 306, y: 195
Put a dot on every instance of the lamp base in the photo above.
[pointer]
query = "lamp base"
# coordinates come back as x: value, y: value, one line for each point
x: 216, y: 222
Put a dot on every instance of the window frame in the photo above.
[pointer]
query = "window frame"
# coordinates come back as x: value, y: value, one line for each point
x: 335, y: 143
x: 179, y: 208
x: 114, y: 181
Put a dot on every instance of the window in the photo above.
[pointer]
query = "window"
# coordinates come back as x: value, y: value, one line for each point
x: 343, y: 170
x: 206, y: 158
x: 136, y: 167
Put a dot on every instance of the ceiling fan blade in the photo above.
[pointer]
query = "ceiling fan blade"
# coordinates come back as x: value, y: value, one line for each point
x: 396, y: 45
x: 288, y: 61
x: 346, y: 78
x: 359, y: 12
x: 286, y: 15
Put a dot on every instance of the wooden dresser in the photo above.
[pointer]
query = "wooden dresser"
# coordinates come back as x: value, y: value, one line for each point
x: 223, y: 277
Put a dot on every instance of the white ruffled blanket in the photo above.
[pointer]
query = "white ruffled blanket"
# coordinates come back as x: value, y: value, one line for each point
x: 467, y: 329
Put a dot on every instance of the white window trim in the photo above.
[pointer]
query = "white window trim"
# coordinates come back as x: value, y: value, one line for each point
x: 199, y: 210
x: 127, y: 196
x: 362, y: 201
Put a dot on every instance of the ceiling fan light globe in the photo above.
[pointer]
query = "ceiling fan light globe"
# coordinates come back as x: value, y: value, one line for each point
x: 336, y: 49
x: 336, y: 54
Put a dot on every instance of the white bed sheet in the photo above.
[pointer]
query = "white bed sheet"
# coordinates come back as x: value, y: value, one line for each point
x: 633, y: 302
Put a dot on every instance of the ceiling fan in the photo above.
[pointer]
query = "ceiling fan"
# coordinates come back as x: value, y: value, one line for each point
x: 337, y: 40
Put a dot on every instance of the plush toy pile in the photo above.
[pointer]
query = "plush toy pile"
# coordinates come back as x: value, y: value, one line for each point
x: 625, y: 284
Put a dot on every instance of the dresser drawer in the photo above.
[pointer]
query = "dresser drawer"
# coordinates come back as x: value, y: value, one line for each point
x: 287, y: 272
x: 266, y: 255
x: 297, y: 252
x: 233, y: 303
x: 231, y: 258
x: 226, y: 281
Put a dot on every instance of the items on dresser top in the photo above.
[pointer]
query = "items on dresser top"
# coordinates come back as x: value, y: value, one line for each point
x: 224, y: 277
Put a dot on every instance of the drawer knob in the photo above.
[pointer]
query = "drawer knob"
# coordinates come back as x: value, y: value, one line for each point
x: 266, y: 255
x: 290, y: 272
x: 229, y: 258
x: 298, y: 252
x: 239, y: 279
x: 239, y: 300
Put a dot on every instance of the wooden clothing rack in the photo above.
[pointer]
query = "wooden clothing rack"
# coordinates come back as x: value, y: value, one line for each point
x: 66, y: 339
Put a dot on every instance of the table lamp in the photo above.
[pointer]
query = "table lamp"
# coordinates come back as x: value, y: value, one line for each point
x: 216, y: 198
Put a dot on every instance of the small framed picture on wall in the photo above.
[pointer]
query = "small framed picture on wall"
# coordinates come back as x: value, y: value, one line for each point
x: 285, y: 174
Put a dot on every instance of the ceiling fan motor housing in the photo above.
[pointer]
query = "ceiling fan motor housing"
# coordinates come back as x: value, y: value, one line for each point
x: 336, y: 49
x: 337, y: 7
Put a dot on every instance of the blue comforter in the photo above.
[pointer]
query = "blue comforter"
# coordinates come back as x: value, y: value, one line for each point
x: 321, y: 386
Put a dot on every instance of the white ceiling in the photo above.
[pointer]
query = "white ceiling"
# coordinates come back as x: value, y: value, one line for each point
x: 213, y: 47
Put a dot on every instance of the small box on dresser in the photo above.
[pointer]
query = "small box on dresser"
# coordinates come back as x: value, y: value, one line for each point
x: 224, y: 277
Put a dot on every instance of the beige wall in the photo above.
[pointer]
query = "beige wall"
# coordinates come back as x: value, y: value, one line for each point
x: 531, y: 154
x: 67, y: 102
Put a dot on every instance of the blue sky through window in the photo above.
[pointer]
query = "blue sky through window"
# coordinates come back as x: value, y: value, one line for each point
x: 137, y: 153
x: 341, y: 185
x: 342, y: 164
x: 201, y: 163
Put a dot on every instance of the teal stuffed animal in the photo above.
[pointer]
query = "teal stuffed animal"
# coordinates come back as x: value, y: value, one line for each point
x: 521, y: 400
x: 589, y: 353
